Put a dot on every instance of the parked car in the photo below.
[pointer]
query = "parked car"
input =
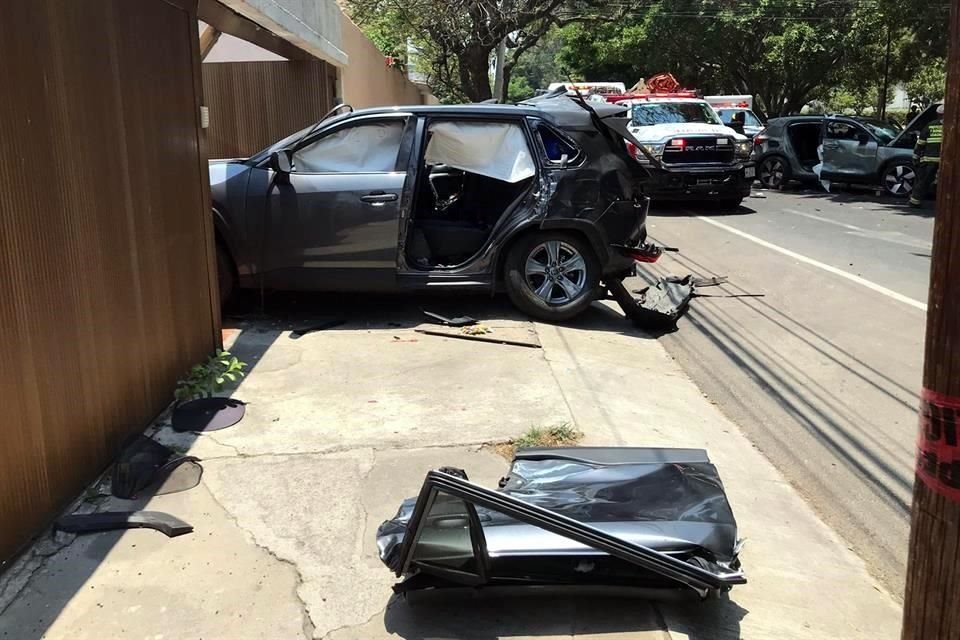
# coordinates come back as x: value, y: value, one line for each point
x: 855, y: 151
x: 540, y: 199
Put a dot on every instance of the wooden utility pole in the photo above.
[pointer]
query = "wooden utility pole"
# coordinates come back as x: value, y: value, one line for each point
x: 931, y: 609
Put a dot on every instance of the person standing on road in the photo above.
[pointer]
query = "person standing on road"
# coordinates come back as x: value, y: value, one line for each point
x: 926, y: 158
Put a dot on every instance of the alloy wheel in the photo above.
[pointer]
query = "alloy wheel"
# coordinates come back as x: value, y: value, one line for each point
x: 556, y: 272
x: 771, y: 173
x: 898, y: 180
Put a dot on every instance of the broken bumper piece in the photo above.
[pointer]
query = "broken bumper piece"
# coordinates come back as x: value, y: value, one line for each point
x: 646, y: 252
x: 655, y: 522
x: 659, y: 306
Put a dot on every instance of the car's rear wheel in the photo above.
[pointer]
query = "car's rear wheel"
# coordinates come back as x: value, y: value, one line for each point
x: 226, y: 275
x: 552, y: 276
x: 774, y: 172
x: 898, y: 179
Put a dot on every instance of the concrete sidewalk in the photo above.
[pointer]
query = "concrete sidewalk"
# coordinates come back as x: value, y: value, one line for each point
x: 343, y: 424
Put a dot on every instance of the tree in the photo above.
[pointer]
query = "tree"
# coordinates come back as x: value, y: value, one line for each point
x: 457, y: 37
x: 537, y: 68
x: 928, y: 82
x: 783, y: 51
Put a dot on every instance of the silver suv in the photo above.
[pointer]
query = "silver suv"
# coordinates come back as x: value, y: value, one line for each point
x: 855, y: 151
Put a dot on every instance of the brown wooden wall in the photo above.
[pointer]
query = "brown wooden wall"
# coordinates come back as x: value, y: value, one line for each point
x: 105, y: 239
x: 254, y: 104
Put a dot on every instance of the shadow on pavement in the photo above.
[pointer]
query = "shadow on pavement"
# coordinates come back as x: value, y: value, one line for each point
x: 895, y: 206
x: 697, y: 208
x: 300, y: 312
x: 492, y: 618
x: 819, y: 410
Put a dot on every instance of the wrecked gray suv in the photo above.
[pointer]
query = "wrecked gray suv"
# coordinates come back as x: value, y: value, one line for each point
x: 540, y: 199
x: 651, y: 522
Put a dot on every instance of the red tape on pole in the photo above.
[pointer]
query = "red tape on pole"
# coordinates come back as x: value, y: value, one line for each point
x: 938, y: 449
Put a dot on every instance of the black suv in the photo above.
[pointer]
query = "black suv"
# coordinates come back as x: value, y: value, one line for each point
x: 541, y: 199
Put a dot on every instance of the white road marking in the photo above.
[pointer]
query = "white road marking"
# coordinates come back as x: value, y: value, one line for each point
x: 887, y: 236
x: 822, y: 219
x: 899, y: 297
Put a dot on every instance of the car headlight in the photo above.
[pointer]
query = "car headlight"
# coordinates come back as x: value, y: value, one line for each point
x: 656, y: 150
x: 744, y: 149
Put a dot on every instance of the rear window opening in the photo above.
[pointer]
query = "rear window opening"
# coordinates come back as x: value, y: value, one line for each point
x: 805, y: 138
x: 471, y: 176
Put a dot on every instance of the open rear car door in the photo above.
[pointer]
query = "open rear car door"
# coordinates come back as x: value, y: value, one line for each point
x: 654, y: 520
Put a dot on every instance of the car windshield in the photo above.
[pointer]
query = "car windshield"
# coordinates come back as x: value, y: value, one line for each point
x: 294, y: 137
x: 650, y: 113
x: 749, y: 119
x: 884, y: 132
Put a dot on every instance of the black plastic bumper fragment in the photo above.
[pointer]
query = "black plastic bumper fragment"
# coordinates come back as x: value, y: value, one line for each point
x: 659, y: 306
x: 169, y: 525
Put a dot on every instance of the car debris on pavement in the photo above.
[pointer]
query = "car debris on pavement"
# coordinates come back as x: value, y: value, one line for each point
x: 459, y: 321
x: 170, y: 526
x: 480, y: 338
x: 653, y: 522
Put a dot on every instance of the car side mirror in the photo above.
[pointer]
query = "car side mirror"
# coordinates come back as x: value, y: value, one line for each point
x: 863, y: 138
x: 280, y: 161
x: 564, y: 160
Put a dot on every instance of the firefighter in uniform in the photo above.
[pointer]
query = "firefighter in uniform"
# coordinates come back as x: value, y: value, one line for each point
x: 926, y: 158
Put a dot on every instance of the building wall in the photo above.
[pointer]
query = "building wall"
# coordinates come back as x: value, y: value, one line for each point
x: 105, y: 239
x: 312, y: 25
x: 254, y: 104
x: 367, y: 80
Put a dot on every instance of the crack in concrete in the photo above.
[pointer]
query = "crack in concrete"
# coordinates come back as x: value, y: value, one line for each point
x: 556, y: 379
x: 360, y: 502
x: 308, y: 627
x: 18, y: 577
x: 475, y: 444
x: 236, y: 452
x: 329, y: 634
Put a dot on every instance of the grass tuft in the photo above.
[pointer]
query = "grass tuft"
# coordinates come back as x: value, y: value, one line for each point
x: 558, y: 435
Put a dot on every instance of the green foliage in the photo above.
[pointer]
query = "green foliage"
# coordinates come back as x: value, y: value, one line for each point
x: 210, y: 377
x: 929, y: 82
x: 784, y: 52
x: 558, y: 435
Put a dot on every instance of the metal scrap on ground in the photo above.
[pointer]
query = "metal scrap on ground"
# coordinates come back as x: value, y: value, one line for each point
x: 461, y: 336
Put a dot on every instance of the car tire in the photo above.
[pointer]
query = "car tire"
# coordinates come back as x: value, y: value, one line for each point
x: 898, y: 178
x: 773, y: 172
x: 552, y: 276
x: 226, y: 276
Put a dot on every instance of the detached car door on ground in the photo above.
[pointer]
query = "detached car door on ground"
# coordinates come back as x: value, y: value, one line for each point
x: 337, y: 212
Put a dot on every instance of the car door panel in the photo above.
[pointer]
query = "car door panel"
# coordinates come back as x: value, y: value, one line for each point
x: 849, y: 152
x: 334, y: 226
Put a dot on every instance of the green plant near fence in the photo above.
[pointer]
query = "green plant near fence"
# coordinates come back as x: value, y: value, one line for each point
x: 210, y: 377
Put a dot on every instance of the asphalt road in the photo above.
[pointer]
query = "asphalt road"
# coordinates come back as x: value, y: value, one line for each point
x: 819, y: 355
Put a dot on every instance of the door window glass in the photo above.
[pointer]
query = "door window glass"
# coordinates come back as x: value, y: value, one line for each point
x: 839, y: 130
x: 364, y: 148
x: 556, y: 147
x: 445, y: 539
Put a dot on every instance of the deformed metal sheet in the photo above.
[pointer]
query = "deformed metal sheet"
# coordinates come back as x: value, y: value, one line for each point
x: 625, y: 517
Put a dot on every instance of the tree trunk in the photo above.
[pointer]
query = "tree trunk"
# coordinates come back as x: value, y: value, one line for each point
x: 933, y: 570
x: 475, y: 73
